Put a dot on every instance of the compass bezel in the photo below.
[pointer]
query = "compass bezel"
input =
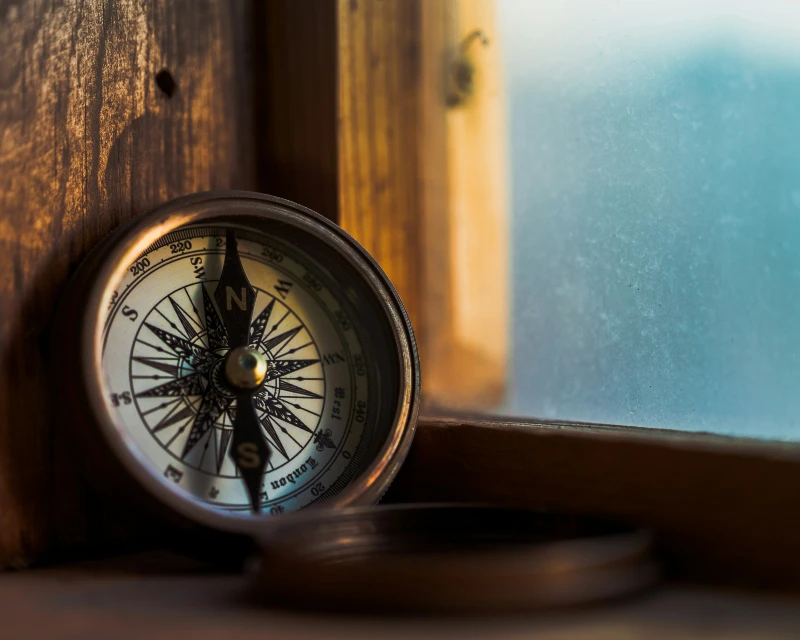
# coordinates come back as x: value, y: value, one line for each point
x: 95, y: 282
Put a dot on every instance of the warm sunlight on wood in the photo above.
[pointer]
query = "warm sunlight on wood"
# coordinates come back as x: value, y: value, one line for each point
x: 478, y: 213
x: 424, y: 173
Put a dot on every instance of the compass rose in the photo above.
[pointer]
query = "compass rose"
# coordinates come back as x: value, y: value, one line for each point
x: 188, y: 373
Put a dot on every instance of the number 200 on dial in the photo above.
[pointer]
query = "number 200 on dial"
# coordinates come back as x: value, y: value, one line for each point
x: 239, y: 357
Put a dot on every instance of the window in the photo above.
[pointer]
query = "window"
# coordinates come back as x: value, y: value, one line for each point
x: 432, y: 186
x: 655, y: 212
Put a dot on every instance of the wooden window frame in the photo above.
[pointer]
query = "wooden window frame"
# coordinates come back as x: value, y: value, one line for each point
x: 348, y: 102
x: 722, y: 507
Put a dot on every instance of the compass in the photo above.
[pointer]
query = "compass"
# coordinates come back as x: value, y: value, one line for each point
x: 234, y: 356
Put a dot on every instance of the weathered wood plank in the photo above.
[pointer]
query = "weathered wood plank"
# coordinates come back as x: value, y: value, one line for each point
x: 296, y: 102
x: 422, y: 183
x: 472, y: 344
x: 88, y: 140
x: 379, y: 134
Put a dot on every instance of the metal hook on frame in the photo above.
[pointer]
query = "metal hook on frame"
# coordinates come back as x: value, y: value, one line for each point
x: 461, y: 74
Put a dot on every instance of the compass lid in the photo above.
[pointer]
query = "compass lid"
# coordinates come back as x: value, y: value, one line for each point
x: 451, y: 558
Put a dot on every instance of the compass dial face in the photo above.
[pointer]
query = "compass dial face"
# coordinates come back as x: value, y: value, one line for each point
x: 166, y: 358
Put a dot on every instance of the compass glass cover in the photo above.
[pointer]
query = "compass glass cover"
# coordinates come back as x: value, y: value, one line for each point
x: 164, y: 349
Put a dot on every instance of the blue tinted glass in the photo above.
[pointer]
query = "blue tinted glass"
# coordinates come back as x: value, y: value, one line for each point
x: 655, y: 154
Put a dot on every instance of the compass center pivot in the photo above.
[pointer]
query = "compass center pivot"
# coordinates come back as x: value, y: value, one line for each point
x: 245, y: 368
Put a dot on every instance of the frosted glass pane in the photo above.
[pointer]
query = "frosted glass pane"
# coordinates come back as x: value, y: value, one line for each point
x: 655, y: 154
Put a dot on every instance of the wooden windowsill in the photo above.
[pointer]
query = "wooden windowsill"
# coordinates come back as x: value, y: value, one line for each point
x: 723, y: 509
x: 163, y: 596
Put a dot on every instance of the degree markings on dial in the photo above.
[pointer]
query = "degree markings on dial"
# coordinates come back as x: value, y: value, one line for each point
x: 189, y: 338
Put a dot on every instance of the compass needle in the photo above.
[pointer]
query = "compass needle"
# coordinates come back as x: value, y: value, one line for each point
x: 236, y: 298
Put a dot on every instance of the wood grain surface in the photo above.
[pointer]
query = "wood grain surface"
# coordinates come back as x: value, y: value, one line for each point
x: 422, y: 183
x: 88, y: 139
x: 723, y: 509
x: 153, y: 597
x: 466, y: 251
x: 380, y: 77
x: 296, y: 92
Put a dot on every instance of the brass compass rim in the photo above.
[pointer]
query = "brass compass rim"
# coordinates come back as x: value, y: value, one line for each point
x: 93, y: 286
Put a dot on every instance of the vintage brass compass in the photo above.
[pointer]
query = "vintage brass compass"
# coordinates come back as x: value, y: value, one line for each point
x: 232, y: 357
x: 238, y: 356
